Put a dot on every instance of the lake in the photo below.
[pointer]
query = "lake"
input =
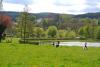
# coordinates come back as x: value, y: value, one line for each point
x: 94, y: 44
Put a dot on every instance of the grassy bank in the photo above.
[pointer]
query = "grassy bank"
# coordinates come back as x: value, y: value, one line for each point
x: 16, y: 40
x: 25, y: 55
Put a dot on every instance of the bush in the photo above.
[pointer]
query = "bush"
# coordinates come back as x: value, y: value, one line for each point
x: 52, y: 31
x: 70, y: 34
x: 97, y: 33
x: 29, y: 42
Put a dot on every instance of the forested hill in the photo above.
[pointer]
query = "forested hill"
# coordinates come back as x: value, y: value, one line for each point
x: 11, y: 14
x: 89, y: 15
x: 14, y: 15
x: 51, y: 15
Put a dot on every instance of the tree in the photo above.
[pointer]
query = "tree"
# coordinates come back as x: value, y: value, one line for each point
x: 86, y: 21
x: 39, y: 32
x: 52, y: 31
x: 98, y: 21
x: 45, y: 23
x: 61, y: 33
x: 86, y: 31
x: 5, y: 22
x: 25, y: 24
x: 81, y: 32
x: 63, y: 20
x: 97, y: 32
x: 70, y: 34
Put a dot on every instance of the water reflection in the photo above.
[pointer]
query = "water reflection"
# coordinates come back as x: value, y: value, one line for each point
x: 95, y: 44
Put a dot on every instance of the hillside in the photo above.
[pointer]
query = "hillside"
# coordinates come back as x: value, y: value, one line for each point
x: 51, y: 15
x: 89, y: 15
x: 38, y: 15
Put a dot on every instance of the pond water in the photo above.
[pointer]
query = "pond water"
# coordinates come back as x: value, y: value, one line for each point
x: 94, y: 44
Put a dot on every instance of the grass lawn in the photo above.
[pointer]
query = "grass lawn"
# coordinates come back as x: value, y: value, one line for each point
x: 25, y: 55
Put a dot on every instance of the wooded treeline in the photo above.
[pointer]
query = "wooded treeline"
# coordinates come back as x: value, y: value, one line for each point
x: 64, y: 26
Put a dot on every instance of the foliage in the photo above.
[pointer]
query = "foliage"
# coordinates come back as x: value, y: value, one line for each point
x: 86, y: 31
x: 97, y: 32
x: 5, y: 22
x: 52, y: 31
x: 39, y: 32
x: 25, y: 24
x: 61, y: 33
x: 45, y: 23
x: 70, y: 34
x: 81, y: 31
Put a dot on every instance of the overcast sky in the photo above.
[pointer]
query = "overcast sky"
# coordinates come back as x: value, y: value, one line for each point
x: 55, y: 6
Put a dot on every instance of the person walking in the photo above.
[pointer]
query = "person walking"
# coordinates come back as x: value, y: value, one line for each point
x: 85, y: 46
x: 57, y: 45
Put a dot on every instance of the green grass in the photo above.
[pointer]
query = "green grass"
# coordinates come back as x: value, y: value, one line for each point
x: 25, y: 55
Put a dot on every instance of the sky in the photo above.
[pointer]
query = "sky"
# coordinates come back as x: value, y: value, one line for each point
x: 55, y: 6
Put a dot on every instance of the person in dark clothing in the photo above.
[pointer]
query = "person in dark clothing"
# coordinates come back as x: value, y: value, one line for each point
x: 57, y: 45
x: 0, y: 37
x: 85, y: 45
x: 53, y: 43
x: 2, y: 29
x: 4, y: 35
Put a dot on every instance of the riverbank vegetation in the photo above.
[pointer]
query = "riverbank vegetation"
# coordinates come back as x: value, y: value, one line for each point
x: 64, y: 27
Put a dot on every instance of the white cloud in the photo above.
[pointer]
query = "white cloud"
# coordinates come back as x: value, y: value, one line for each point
x: 12, y: 7
x: 76, y: 6
x: 50, y: 6
x: 98, y: 5
x: 72, y: 2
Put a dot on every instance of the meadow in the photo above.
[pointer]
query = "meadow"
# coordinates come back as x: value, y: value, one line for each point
x: 28, y: 55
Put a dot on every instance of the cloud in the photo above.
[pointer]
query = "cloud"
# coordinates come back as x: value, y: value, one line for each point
x: 92, y: 6
x: 56, y: 6
x: 92, y: 9
x: 44, y: 6
x: 51, y: 7
x: 12, y: 7
x: 72, y: 6
x: 71, y: 2
x: 92, y: 2
x: 19, y: 1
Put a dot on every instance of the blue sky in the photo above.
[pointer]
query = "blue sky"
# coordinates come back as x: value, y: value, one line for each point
x: 55, y: 6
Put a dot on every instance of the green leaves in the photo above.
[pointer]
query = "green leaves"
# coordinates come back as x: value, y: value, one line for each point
x: 39, y: 32
x: 52, y: 31
x: 97, y: 32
